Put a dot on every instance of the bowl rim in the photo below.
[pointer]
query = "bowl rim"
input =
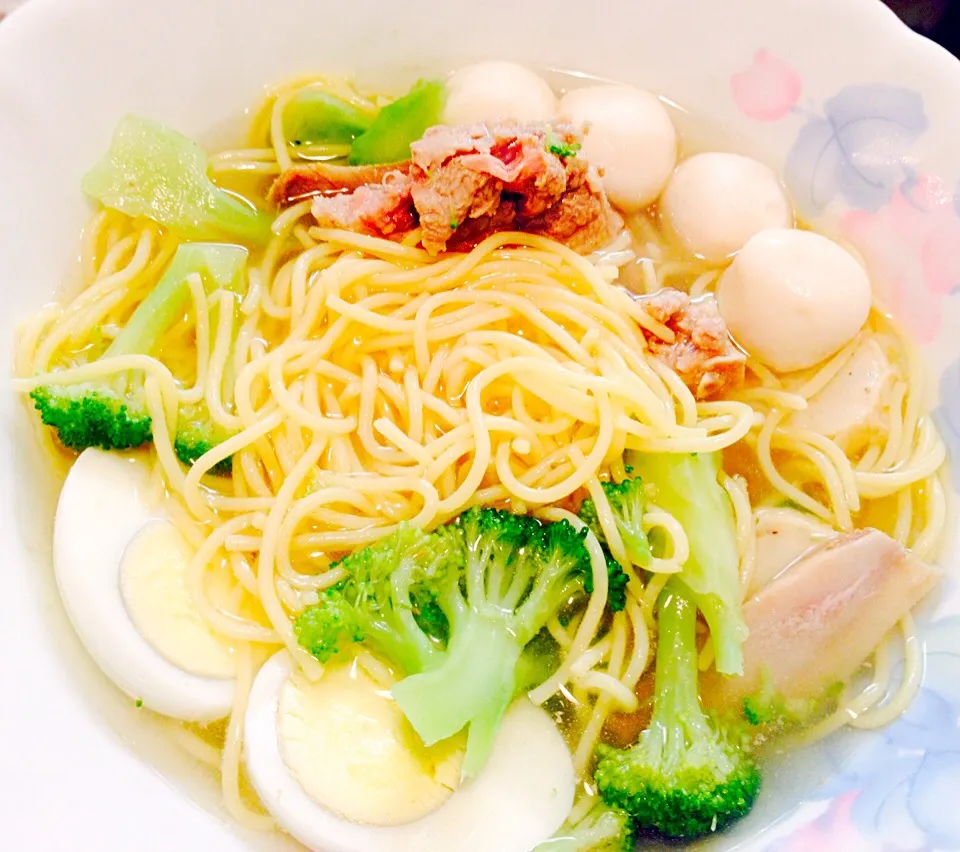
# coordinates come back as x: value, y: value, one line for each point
x: 181, y: 821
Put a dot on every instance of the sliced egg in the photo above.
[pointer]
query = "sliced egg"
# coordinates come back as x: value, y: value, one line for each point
x: 630, y: 137
x: 121, y: 570
x: 340, y: 769
x: 715, y: 202
x: 793, y: 298
x: 498, y: 89
x: 375, y: 769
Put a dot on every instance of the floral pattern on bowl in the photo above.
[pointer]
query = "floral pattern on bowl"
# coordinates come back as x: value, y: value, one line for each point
x: 894, y: 789
x: 759, y: 72
x: 856, y: 148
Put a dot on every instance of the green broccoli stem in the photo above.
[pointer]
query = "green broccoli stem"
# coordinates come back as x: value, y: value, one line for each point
x: 677, y: 696
x: 677, y: 692
x: 165, y: 302
x: 154, y: 171
x: 688, y: 775
x: 725, y: 632
x: 687, y: 486
x: 314, y: 117
x: 601, y: 829
x: 410, y: 649
x: 153, y: 316
x: 400, y: 123
x: 474, y: 684
x: 395, y: 631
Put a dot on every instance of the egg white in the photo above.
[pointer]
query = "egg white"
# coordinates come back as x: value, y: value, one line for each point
x: 519, y: 800
x: 102, y: 507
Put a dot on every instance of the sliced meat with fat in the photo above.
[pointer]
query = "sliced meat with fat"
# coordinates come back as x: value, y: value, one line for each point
x: 819, y: 621
x: 784, y: 535
x: 383, y: 209
x: 583, y: 218
x: 305, y: 180
x: 454, y: 195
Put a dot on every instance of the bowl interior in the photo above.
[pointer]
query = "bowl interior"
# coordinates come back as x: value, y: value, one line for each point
x: 751, y: 75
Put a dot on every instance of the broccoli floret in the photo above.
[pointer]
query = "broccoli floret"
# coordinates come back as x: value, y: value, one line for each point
x: 153, y: 171
x: 197, y: 434
x: 627, y: 501
x: 602, y: 829
x: 516, y: 575
x: 769, y: 709
x: 461, y: 611
x: 429, y: 614
x: 375, y: 602
x: 538, y: 662
x: 688, y: 775
x: 111, y: 412
x: 328, y: 628
x: 686, y: 486
x: 617, y: 582
x: 756, y: 712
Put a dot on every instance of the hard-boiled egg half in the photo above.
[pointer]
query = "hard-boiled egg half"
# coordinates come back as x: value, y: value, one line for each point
x: 339, y: 767
x: 121, y: 568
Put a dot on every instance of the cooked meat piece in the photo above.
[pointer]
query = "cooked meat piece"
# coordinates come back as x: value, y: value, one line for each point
x: 473, y: 231
x: 467, y: 182
x: 702, y: 352
x: 453, y: 194
x: 583, y: 218
x: 783, y: 536
x: 307, y: 179
x: 817, y: 623
x: 383, y: 208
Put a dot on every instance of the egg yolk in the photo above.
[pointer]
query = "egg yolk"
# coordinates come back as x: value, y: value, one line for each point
x: 353, y: 752
x: 153, y: 583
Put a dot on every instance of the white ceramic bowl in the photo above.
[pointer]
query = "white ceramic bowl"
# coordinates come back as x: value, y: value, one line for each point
x: 859, y: 113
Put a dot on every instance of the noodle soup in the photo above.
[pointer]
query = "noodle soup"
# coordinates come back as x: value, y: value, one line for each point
x: 410, y: 419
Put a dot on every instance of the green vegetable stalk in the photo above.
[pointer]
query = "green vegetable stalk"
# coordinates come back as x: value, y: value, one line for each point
x: 153, y: 171
x: 686, y: 486
x: 111, y: 412
x: 399, y: 124
x: 315, y: 117
x: 689, y: 775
